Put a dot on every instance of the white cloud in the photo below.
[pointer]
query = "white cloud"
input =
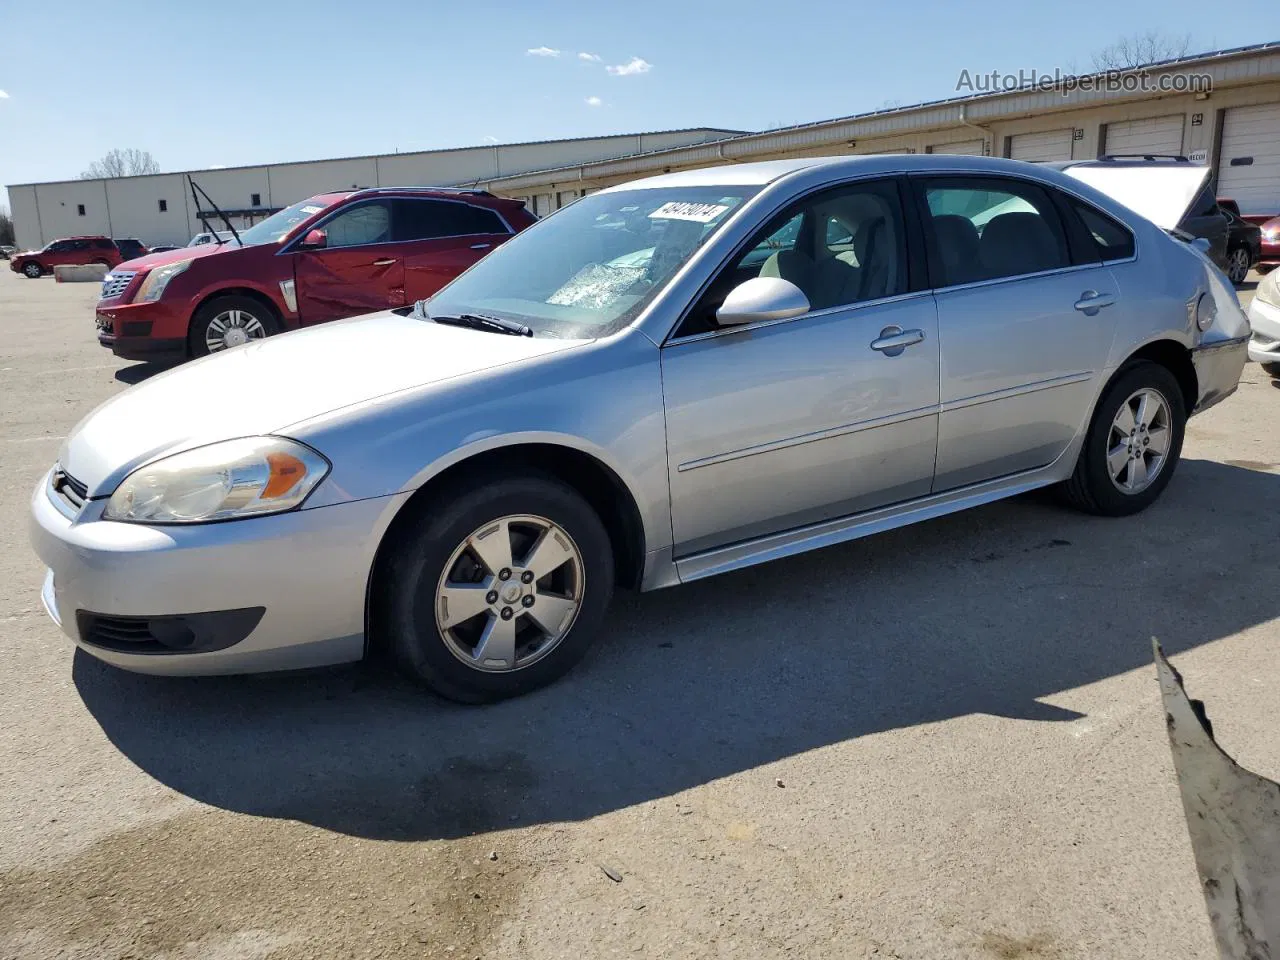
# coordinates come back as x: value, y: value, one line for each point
x: 593, y: 101
x: 589, y: 57
x: 631, y: 67
x: 3, y: 95
x: 542, y: 52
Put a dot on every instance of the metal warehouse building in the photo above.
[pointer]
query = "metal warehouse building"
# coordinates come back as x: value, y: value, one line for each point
x: 159, y: 209
x: 1234, y: 126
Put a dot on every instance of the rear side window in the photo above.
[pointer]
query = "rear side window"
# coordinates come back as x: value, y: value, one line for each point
x: 435, y: 219
x: 104, y: 244
x: 990, y: 228
x: 1113, y: 238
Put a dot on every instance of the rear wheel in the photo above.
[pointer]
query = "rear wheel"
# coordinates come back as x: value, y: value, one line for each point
x: 1133, y: 443
x: 1238, y: 265
x: 229, y: 322
x: 32, y: 270
x: 1272, y: 369
x: 497, y: 590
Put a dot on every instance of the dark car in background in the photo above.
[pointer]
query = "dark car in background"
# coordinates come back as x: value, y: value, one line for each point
x: 131, y: 248
x: 333, y: 256
x: 1244, y: 241
x: 71, y: 250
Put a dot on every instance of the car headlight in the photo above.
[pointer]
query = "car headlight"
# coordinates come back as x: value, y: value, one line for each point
x: 223, y: 481
x: 153, y: 286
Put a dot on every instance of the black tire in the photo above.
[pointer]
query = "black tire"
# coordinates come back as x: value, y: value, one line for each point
x: 1090, y: 487
x: 199, y: 328
x: 1264, y: 268
x: 404, y: 614
x: 32, y: 270
x: 1272, y: 369
x: 1238, y: 257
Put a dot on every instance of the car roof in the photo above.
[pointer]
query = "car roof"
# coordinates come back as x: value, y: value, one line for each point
x: 768, y: 171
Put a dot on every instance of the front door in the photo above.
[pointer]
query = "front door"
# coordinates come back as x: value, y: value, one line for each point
x: 360, y: 269
x: 1026, y: 324
x: 778, y: 424
x: 440, y: 239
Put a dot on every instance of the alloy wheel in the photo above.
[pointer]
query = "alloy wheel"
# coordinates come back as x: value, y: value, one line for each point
x: 1138, y: 442
x: 1238, y: 265
x: 509, y: 593
x: 32, y: 270
x: 231, y: 328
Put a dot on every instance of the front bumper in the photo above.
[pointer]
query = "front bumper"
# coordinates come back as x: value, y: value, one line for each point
x: 308, y: 569
x: 155, y: 330
x: 1264, y: 346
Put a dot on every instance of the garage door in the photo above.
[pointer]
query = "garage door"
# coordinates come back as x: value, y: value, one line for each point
x: 1050, y: 145
x: 969, y: 148
x: 1149, y: 135
x: 1249, y: 162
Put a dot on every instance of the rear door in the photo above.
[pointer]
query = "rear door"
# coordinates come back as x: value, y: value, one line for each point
x: 81, y: 252
x: 1022, y: 343
x: 440, y: 238
x: 359, y: 270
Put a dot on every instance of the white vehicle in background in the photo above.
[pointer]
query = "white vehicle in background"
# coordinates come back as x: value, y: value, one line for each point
x: 1264, y: 319
x: 216, y: 236
x: 7, y: 251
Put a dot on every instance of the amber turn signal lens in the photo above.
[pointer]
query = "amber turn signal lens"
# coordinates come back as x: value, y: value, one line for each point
x: 286, y: 471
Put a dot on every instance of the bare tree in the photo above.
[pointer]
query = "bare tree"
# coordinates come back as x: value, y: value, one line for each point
x: 121, y: 163
x: 1140, y: 49
x: 6, y: 227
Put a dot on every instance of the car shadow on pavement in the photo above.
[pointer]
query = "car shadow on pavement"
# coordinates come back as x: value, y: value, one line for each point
x: 142, y: 371
x: 983, y: 612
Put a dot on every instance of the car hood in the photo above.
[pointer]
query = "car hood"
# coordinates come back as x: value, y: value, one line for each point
x: 153, y: 260
x: 1162, y: 194
x: 261, y: 388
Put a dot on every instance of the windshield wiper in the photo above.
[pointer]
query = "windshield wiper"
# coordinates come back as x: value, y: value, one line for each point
x: 478, y: 321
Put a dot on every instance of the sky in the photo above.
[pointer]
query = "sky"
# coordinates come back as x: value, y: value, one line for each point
x: 228, y: 82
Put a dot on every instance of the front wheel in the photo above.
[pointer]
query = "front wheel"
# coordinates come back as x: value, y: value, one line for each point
x: 1238, y: 265
x: 229, y: 322
x: 496, y: 589
x: 32, y: 271
x: 1133, y: 444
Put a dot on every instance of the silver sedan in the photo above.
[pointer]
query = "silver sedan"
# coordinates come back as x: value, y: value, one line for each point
x: 666, y: 380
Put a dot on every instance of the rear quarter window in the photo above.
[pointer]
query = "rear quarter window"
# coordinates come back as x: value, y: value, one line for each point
x: 1113, y: 239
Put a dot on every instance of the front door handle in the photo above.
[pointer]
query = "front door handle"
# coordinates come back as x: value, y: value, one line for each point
x: 1091, y: 301
x: 893, y: 340
x: 481, y: 246
x: 384, y: 263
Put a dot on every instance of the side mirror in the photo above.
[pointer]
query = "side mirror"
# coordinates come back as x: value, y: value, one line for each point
x: 316, y: 238
x: 762, y: 298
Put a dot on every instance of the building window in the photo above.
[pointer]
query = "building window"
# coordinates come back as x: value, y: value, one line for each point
x: 164, y: 206
x: 255, y: 200
x: 80, y: 209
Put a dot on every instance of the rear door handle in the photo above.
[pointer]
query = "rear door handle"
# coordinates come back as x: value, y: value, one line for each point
x: 384, y: 263
x: 1091, y: 301
x: 481, y: 246
x: 893, y: 340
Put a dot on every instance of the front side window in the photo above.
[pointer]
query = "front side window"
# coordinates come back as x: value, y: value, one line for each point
x: 591, y: 268
x: 988, y: 229
x: 58, y: 246
x: 359, y: 225
x: 840, y: 247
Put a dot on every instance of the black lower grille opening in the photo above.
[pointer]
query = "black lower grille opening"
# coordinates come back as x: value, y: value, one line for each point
x: 183, y: 633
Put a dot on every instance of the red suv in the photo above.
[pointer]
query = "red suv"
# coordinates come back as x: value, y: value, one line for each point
x: 335, y: 255
x: 78, y: 250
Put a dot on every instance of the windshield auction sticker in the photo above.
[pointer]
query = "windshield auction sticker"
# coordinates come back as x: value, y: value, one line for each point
x: 697, y: 212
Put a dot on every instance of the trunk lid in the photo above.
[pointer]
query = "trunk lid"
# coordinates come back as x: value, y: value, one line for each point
x: 1160, y: 191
